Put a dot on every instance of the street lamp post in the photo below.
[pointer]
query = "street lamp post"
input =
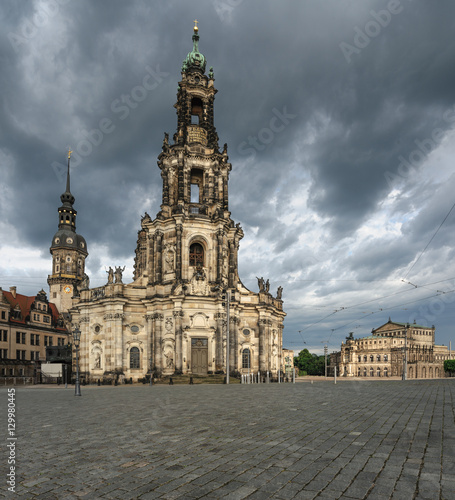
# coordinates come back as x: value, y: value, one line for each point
x: 77, y: 340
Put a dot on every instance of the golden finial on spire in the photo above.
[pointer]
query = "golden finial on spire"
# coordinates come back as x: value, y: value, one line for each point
x: 69, y: 153
x: 195, y: 25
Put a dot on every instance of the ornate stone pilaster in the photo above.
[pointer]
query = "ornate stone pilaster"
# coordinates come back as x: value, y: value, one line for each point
x: 178, y: 315
x: 219, y: 336
x: 165, y: 177
x: 234, y: 335
x: 159, y: 257
x: 120, y: 360
x: 149, y: 345
x: 151, y: 258
x: 262, y: 324
x: 178, y: 264
x: 219, y: 255
x: 158, y: 341
x: 84, y: 350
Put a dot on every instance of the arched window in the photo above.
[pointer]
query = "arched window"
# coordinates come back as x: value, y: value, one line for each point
x: 378, y: 357
x: 196, y: 111
x: 196, y: 255
x: 365, y: 372
x: 365, y: 358
x: 386, y: 357
x: 246, y: 358
x: 371, y: 372
x: 378, y: 372
x: 134, y: 358
x: 386, y: 372
x: 371, y: 358
x: 360, y: 358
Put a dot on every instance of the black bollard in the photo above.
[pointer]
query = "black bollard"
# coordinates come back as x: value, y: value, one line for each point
x: 99, y: 382
x: 191, y: 380
x: 171, y: 382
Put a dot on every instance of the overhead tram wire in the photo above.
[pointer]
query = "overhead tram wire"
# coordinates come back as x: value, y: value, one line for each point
x: 381, y: 298
x: 431, y: 239
x: 393, y: 307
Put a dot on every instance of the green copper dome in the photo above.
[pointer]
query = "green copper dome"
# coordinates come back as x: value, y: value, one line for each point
x: 195, y: 59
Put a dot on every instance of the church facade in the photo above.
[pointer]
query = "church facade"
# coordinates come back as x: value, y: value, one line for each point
x: 186, y: 310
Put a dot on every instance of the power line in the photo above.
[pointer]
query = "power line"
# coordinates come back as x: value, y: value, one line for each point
x: 431, y: 239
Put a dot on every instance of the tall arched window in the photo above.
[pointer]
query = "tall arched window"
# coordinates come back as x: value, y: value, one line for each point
x: 246, y: 358
x: 196, y: 110
x: 196, y: 255
x: 134, y: 358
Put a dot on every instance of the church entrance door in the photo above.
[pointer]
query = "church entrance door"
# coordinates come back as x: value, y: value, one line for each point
x: 199, y: 356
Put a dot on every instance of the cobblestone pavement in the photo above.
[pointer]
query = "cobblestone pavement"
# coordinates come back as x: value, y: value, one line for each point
x: 352, y: 440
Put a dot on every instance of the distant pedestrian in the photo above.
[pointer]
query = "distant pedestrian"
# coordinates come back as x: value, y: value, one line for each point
x: 171, y: 382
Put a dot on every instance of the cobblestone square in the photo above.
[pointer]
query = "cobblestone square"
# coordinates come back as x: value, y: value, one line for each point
x: 352, y: 440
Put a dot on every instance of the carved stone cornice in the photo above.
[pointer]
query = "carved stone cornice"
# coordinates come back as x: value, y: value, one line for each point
x: 84, y: 319
x: 178, y: 314
x: 149, y: 317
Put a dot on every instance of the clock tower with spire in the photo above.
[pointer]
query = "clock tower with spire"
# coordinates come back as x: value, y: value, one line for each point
x: 69, y: 251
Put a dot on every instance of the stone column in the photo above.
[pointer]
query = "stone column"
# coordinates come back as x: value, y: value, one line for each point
x: 225, y: 191
x: 159, y: 257
x: 178, y: 256
x: 121, y: 362
x: 84, y: 349
x: 234, y: 335
x: 219, y: 355
x: 165, y: 177
x: 158, y: 341
x: 181, y: 181
x: 149, y: 345
x: 262, y: 323
x: 219, y: 260
x: 178, y: 315
x: 151, y: 258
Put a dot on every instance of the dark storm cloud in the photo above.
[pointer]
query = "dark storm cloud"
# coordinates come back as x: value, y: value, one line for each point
x: 317, y: 139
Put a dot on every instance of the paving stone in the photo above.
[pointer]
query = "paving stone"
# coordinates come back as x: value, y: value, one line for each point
x: 383, y: 438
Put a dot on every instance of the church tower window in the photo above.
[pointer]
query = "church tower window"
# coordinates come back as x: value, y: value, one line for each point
x: 196, y: 255
x: 134, y: 359
x: 196, y: 111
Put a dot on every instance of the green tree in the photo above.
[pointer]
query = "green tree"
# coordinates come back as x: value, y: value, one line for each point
x: 311, y: 364
x: 449, y: 366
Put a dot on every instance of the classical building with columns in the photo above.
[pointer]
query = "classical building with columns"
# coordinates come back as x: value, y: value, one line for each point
x: 391, y: 349
x: 186, y: 292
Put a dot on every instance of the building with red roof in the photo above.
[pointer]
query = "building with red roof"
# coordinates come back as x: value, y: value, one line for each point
x: 28, y: 324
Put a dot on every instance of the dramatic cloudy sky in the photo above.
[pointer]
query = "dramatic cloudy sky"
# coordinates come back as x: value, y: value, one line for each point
x: 339, y: 117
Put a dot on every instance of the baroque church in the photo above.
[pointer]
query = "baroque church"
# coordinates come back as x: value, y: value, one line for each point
x: 186, y: 292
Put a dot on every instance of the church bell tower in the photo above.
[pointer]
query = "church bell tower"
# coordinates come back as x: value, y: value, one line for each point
x: 69, y: 251
x: 193, y: 235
